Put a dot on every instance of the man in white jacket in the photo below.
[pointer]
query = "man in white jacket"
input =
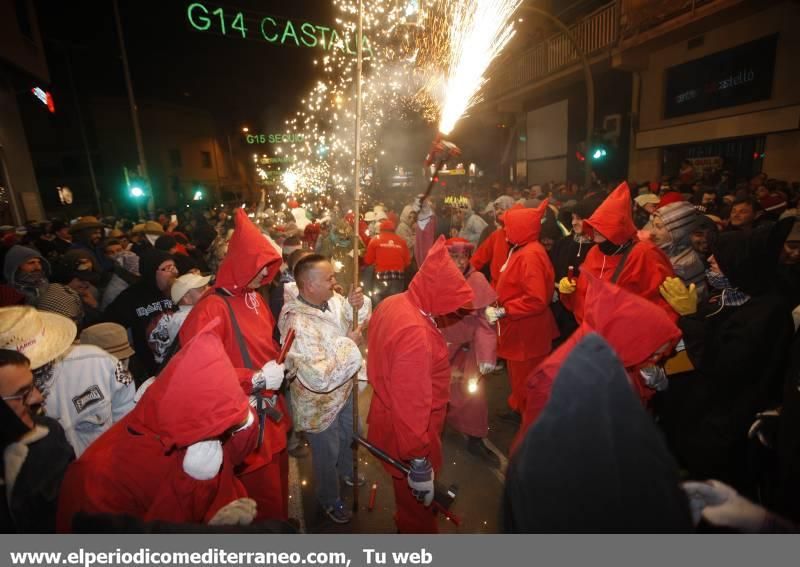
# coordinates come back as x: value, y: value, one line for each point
x: 325, y: 356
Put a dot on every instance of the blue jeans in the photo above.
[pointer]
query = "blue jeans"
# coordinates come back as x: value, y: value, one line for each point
x: 331, y: 455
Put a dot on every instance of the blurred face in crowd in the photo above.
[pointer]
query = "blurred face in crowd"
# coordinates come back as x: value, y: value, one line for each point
x: 63, y: 233
x: 258, y: 281
x: 19, y: 393
x: 699, y: 240
x: 598, y: 238
x: 742, y: 215
x: 659, y: 233
x: 30, y: 266
x: 94, y: 235
x: 165, y: 275
x: 193, y: 295
x: 113, y: 249
x: 546, y: 242
x: 709, y: 199
x: 791, y: 252
x: 761, y: 192
x: 577, y: 224
x: 461, y: 260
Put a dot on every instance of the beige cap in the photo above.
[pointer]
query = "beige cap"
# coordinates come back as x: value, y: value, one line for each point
x: 186, y: 282
x: 39, y: 335
x: 111, y: 337
x: 647, y: 199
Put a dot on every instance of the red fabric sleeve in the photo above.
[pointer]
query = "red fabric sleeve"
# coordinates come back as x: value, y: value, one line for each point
x: 411, y: 392
x: 483, y: 255
x: 369, y: 258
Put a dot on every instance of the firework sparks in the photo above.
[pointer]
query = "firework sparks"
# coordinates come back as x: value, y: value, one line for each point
x: 479, y: 30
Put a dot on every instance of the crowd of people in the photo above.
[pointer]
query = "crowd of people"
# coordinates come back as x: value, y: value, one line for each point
x: 158, y: 376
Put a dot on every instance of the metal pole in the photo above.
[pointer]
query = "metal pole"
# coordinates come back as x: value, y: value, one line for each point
x: 356, y: 237
x: 84, y: 138
x: 137, y: 131
x: 587, y: 73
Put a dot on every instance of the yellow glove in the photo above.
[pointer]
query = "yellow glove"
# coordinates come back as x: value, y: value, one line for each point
x: 567, y: 286
x: 682, y: 299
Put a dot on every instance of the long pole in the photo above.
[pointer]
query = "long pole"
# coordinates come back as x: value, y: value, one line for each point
x: 82, y: 129
x: 356, y: 237
x: 587, y: 74
x: 137, y: 131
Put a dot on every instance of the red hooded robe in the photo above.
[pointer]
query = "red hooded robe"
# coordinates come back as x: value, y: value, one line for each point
x: 248, y: 253
x: 136, y: 467
x: 492, y: 251
x: 634, y: 327
x: 409, y: 369
x: 525, y: 290
x: 646, y: 266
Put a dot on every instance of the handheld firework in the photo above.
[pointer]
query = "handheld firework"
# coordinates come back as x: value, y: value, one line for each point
x: 441, y: 151
x: 443, y: 498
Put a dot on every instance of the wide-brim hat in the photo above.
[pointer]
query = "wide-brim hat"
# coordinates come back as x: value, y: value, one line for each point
x: 84, y: 223
x: 153, y: 227
x: 111, y: 337
x: 39, y: 335
x: 186, y: 282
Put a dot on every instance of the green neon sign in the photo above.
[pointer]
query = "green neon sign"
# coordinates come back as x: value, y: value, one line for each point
x: 207, y: 18
x: 274, y: 138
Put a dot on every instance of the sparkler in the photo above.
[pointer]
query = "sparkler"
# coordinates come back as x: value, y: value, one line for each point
x: 479, y: 30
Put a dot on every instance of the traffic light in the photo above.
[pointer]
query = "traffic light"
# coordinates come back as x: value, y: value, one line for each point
x: 137, y: 192
x: 198, y: 195
x: 599, y: 153
x: 136, y: 185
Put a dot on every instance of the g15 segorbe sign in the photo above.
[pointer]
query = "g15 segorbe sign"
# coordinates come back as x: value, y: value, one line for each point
x: 732, y: 77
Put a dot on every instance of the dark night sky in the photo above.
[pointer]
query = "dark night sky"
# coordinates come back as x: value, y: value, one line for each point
x: 239, y: 81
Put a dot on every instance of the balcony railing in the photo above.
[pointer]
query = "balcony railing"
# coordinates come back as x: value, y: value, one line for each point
x: 596, y: 32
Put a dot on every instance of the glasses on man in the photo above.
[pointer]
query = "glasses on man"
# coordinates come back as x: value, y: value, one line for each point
x: 24, y: 395
x: 171, y: 268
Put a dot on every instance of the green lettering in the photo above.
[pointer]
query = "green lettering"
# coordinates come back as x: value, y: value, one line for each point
x: 249, y: 138
x: 366, y: 47
x: 220, y: 13
x: 261, y: 138
x: 274, y: 38
x: 286, y: 30
x: 242, y: 28
x: 272, y: 138
x: 205, y: 22
x: 323, y: 29
x: 335, y: 42
x: 308, y: 31
x: 347, y: 44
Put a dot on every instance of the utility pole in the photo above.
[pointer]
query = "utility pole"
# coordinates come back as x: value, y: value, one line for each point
x: 137, y: 131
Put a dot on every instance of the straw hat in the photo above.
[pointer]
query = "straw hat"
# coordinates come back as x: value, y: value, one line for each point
x: 111, y: 337
x: 137, y: 228
x: 84, y: 223
x: 153, y: 227
x: 39, y: 335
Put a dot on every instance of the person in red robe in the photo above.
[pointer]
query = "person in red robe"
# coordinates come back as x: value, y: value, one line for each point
x: 172, y: 458
x: 525, y: 324
x: 409, y: 369
x: 640, y: 333
x: 472, y: 345
x: 250, y: 263
x: 493, y: 250
x: 644, y: 266
x: 426, y: 229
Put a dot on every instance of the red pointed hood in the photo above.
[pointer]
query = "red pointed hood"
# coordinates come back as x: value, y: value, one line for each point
x: 248, y: 252
x: 613, y: 218
x: 634, y: 326
x: 196, y: 397
x: 439, y: 286
x: 524, y: 225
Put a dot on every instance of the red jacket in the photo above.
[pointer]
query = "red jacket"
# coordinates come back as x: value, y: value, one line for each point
x: 248, y: 253
x: 645, y: 268
x: 493, y: 251
x: 388, y: 252
x: 525, y: 290
x: 408, y: 365
x: 136, y: 467
x: 634, y: 327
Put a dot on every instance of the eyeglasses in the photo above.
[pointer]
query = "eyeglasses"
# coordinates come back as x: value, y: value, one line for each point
x: 24, y: 396
x: 173, y: 268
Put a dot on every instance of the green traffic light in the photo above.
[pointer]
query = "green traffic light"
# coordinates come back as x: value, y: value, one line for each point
x: 137, y: 192
x: 599, y: 153
x: 198, y: 195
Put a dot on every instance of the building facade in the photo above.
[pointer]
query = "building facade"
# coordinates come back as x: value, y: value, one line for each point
x: 23, y: 67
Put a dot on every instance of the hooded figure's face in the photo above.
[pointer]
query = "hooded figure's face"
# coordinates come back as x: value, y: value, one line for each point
x: 166, y: 274
x: 31, y: 266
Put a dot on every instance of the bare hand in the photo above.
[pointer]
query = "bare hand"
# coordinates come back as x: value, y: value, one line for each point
x: 356, y: 297
x: 355, y: 336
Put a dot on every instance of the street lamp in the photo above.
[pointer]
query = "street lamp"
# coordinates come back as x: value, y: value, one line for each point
x: 245, y: 129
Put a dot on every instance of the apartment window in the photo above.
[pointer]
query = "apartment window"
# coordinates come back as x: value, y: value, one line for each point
x: 206, y: 159
x: 23, y: 18
x: 175, y: 158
